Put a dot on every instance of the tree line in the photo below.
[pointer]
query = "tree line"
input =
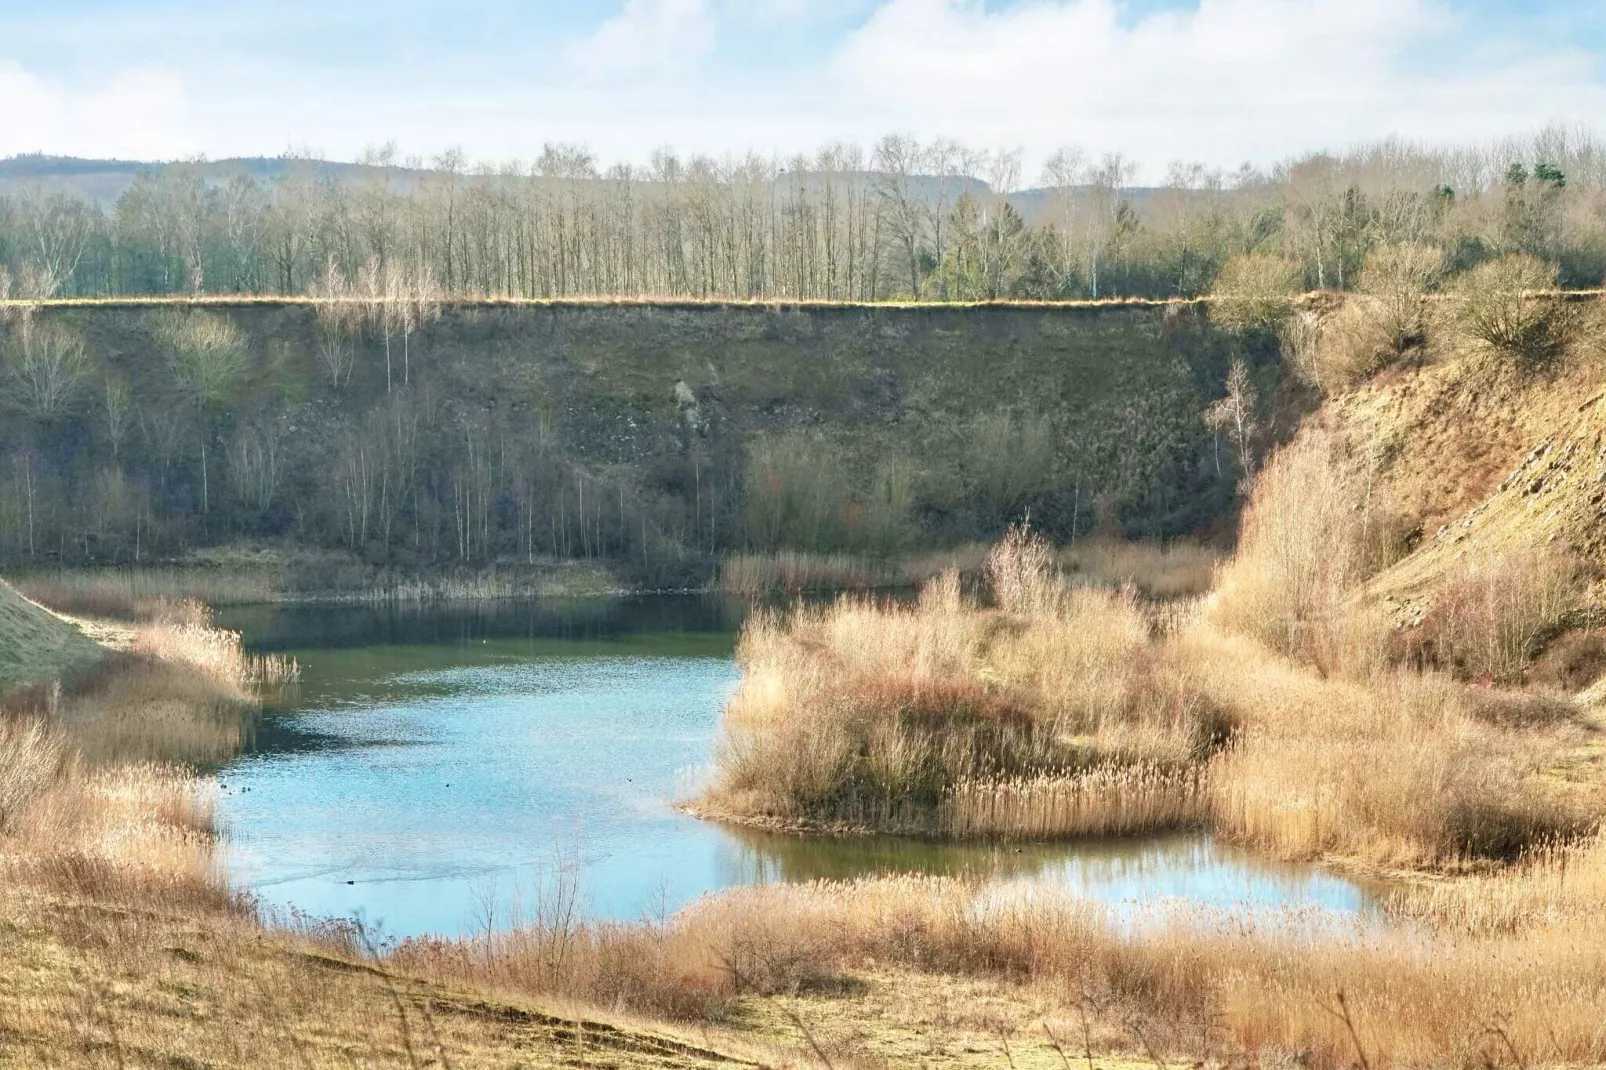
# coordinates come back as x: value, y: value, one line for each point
x: 907, y: 220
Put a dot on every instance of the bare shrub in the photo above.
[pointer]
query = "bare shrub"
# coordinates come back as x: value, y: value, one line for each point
x: 1355, y: 341
x: 46, y: 365
x: 1507, y: 308
x: 1496, y: 610
x: 1255, y: 290
x: 1021, y: 572
x: 1398, y: 278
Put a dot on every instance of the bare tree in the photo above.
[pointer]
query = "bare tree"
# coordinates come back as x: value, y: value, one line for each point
x: 206, y: 352
x: 58, y: 228
x: 898, y: 162
x: 254, y: 467
x: 339, y: 313
x: 117, y: 413
x: 1061, y: 175
x: 420, y: 304
x: 1234, y: 416
x: 45, y: 365
x: 1107, y: 183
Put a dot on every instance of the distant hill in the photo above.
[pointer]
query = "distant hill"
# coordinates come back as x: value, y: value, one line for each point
x: 104, y: 181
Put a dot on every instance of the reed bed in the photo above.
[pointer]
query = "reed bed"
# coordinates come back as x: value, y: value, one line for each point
x: 1109, y: 801
x: 1055, y: 710
x: 185, y: 634
x: 145, y: 591
x: 895, y: 715
x: 98, y: 793
x: 1179, y: 984
x: 1164, y: 571
x: 791, y: 572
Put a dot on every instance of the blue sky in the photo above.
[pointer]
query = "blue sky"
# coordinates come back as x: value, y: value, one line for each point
x: 1220, y: 81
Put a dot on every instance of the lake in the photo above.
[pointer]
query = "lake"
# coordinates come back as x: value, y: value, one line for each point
x: 436, y: 765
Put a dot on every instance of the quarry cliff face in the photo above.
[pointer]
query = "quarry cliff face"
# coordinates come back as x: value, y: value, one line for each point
x: 609, y: 429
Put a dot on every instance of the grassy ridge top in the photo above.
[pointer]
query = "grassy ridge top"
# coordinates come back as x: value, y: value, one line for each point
x: 246, y: 300
x: 598, y: 301
x: 36, y: 645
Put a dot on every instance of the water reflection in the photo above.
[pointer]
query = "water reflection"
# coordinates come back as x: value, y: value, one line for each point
x: 432, y: 760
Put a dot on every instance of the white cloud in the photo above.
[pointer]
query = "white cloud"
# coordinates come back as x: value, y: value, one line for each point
x: 1228, y: 81
x: 649, y: 40
x: 135, y: 113
x: 1220, y: 81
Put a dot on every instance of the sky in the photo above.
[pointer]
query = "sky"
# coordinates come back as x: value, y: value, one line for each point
x: 1222, y: 82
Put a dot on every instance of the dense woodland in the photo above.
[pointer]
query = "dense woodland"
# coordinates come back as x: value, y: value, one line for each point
x: 411, y: 436
x: 404, y: 430
x: 908, y: 220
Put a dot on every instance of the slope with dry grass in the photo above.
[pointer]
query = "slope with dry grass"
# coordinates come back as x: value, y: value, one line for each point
x: 122, y: 943
x: 36, y: 646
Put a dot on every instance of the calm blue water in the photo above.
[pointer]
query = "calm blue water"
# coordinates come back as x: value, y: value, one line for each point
x: 436, y: 765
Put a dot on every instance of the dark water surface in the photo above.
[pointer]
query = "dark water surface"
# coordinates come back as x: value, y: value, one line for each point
x: 434, y: 762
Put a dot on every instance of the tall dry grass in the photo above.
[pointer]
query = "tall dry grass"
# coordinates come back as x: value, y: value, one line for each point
x: 145, y: 591
x: 1179, y: 984
x: 98, y: 796
x: 1313, y: 531
x: 1402, y: 770
x: 34, y: 754
x: 1170, y: 570
x: 1055, y: 710
x: 791, y: 938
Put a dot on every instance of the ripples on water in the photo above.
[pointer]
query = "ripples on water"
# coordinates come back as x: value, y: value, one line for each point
x: 434, y: 761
